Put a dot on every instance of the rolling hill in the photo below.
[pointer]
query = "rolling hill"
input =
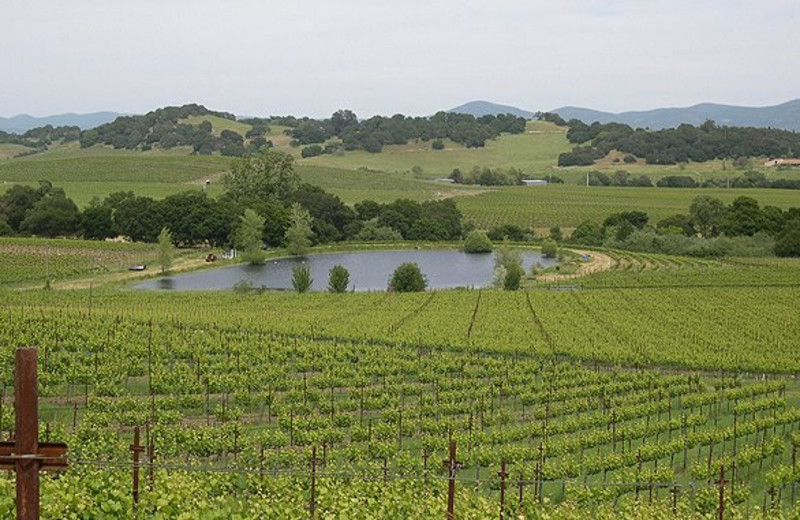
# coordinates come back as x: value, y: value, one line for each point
x: 785, y: 116
x: 23, y: 122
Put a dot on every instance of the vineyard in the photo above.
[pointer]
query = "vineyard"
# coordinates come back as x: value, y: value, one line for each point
x: 541, y: 207
x: 27, y: 261
x: 625, y: 396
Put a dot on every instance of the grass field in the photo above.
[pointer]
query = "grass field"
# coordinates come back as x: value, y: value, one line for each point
x: 534, y: 151
x: 218, y: 124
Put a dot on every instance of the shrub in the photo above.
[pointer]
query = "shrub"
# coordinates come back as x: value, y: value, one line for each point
x: 408, y: 278
x: 338, y: 279
x: 301, y: 278
x: 477, y: 242
x: 437, y: 144
x: 549, y: 248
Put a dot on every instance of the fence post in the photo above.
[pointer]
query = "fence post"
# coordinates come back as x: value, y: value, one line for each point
x: 675, y: 491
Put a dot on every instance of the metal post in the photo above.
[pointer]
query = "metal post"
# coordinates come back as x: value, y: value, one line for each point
x: 312, y: 501
x: 502, y: 476
x: 721, y: 483
x: 452, y: 466
x: 136, y: 449
x: 26, y: 404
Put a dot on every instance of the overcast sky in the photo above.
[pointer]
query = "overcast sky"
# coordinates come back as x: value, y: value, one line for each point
x: 312, y: 57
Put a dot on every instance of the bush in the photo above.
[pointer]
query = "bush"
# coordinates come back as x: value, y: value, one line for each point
x: 549, y: 248
x: 312, y: 151
x: 338, y: 279
x: 408, y: 278
x: 437, y: 144
x: 301, y: 278
x: 478, y: 242
x: 508, y: 268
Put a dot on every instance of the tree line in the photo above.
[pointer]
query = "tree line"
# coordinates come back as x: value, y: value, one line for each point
x: 711, y: 228
x: 264, y: 183
x: 748, y: 179
x: 673, y: 145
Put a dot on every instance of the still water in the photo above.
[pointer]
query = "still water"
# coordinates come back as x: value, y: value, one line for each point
x: 369, y: 271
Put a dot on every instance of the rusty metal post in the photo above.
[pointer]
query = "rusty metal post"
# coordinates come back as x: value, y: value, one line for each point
x: 721, y: 483
x: 312, y: 501
x: 26, y: 402
x: 502, y: 476
x: 451, y: 485
x: 136, y: 449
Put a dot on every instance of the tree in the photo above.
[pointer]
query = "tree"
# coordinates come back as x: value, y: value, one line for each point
x: 706, y: 214
x: 477, y: 242
x: 96, y: 221
x: 338, y: 279
x: 789, y: 243
x: 51, y: 216
x: 17, y: 202
x: 301, y: 278
x: 267, y: 174
x: 166, y: 250
x: 408, y: 278
x: 508, y: 268
x: 549, y: 248
x: 589, y: 233
x: 298, y: 235
x: 555, y: 234
x: 248, y: 237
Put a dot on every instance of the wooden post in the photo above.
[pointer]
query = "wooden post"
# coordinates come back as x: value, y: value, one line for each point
x: 313, y: 498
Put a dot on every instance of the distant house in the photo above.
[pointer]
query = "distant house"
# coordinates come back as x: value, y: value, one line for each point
x: 782, y: 162
x: 444, y: 179
x: 534, y: 182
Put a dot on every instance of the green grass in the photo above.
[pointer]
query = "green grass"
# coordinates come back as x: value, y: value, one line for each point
x: 7, y: 151
x: 137, y: 168
x: 534, y: 152
x: 218, y: 124
x: 355, y: 186
x: 543, y: 206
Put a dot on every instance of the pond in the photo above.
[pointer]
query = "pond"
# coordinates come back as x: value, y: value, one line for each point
x: 369, y: 271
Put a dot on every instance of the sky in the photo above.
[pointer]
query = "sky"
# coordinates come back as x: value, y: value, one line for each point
x: 415, y: 57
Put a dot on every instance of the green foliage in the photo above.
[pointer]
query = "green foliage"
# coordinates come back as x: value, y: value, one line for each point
x: 267, y: 174
x: 549, y: 248
x: 52, y: 215
x: 166, y: 250
x: 248, y: 238
x: 338, y: 279
x: 508, y: 268
x: 299, y: 233
x: 408, y: 278
x: 301, y: 278
x: 477, y: 242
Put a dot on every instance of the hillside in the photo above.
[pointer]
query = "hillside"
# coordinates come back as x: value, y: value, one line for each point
x: 785, y: 116
x: 483, y: 108
x: 23, y: 122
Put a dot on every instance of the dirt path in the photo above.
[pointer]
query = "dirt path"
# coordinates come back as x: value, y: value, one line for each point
x: 181, y: 264
x: 598, y: 263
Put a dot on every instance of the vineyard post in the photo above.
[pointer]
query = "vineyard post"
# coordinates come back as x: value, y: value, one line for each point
x: 721, y: 483
x: 675, y: 491
x: 452, y: 466
x: 541, y: 472
x: 74, y: 416
x: 520, y: 484
x: 26, y: 455
x: 261, y: 463
x: 136, y: 449
x: 312, y: 500
x: 502, y: 474
x: 151, y: 453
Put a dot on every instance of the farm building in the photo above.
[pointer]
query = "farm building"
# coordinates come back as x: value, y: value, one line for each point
x: 534, y: 182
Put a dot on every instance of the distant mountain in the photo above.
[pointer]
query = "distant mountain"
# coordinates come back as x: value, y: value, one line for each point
x: 785, y: 116
x: 482, y: 108
x: 22, y: 123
